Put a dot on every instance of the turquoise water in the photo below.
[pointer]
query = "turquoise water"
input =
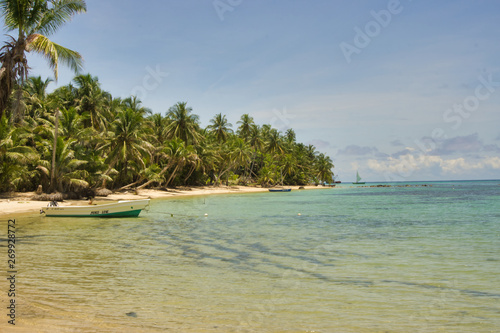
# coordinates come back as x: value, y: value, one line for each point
x: 356, y: 259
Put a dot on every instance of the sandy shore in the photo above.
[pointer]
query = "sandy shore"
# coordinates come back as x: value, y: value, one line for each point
x: 21, y: 203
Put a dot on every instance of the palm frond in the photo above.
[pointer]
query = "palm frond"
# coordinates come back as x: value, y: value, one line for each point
x: 61, y: 13
x: 55, y: 53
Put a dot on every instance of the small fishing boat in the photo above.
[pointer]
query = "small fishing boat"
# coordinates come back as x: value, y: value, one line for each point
x: 124, y: 208
x: 280, y: 189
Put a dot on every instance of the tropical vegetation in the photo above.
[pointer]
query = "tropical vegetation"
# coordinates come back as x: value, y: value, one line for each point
x: 79, y: 136
x: 117, y: 143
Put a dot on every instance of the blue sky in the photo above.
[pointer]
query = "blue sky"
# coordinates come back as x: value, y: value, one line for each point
x: 401, y: 90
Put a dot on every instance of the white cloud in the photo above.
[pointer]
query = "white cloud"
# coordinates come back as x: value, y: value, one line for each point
x: 406, y: 166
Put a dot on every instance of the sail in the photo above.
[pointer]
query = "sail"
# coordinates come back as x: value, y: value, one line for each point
x: 358, y: 178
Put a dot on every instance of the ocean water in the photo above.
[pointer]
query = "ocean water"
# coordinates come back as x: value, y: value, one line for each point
x: 348, y: 259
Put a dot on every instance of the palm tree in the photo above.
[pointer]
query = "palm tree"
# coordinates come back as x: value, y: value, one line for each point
x: 91, y: 99
x: 241, y: 154
x: 14, y: 156
x: 275, y: 145
x: 220, y: 128
x: 33, y: 21
x: 127, y: 145
x: 324, y: 166
x: 67, y: 172
x: 246, y: 122
x: 290, y: 136
x: 71, y: 122
x: 178, y: 155
x: 183, y: 124
x: 37, y: 100
x: 135, y: 104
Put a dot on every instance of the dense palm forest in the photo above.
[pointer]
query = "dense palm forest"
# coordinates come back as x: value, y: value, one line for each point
x: 117, y: 143
x: 79, y: 136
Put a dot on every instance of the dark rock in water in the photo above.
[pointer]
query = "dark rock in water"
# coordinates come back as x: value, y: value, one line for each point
x: 131, y: 314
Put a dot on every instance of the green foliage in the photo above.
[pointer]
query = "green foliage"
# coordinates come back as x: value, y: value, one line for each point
x: 117, y: 143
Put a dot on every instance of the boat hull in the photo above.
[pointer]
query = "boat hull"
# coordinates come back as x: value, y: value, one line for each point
x: 129, y: 208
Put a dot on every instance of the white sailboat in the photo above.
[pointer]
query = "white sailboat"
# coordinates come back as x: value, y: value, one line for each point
x: 358, y: 178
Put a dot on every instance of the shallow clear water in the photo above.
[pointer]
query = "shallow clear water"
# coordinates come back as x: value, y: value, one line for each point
x: 356, y: 259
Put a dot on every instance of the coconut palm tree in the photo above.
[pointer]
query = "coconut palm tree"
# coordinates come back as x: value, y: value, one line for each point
x: 67, y: 172
x: 127, y: 145
x: 275, y: 145
x: 324, y: 166
x: 246, y: 122
x: 177, y: 155
x: 33, y: 21
x: 36, y: 97
x: 72, y: 123
x: 14, y: 156
x: 135, y: 104
x: 91, y: 99
x: 290, y: 136
x: 220, y: 128
x: 183, y: 124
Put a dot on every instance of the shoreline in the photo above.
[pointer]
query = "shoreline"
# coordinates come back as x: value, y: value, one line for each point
x: 21, y: 203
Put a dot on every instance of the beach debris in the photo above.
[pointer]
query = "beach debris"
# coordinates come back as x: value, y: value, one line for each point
x: 131, y: 314
x: 48, y: 197
x: 102, y: 192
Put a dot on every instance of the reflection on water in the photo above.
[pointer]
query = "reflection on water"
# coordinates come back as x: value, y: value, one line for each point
x: 355, y: 260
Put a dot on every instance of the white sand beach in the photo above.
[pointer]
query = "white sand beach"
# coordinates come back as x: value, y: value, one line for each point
x: 21, y: 203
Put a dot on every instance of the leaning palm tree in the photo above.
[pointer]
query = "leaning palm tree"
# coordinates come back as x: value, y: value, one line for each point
x: 128, y: 145
x: 33, y: 21
x: 178, y: 155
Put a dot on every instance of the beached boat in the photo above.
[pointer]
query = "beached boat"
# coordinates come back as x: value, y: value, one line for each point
x: 358, y: 178
x: 280, y: 189
x: 125, y: 208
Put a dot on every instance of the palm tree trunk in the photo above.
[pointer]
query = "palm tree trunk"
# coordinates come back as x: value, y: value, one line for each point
x: 5, y: 88
x: 53, y: 171
x: 190, y: 173
x: 161, y: 173
x: 172, y: 174
x: 132, y: 184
